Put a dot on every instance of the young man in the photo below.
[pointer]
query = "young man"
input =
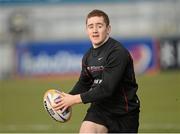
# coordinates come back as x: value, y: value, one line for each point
x: 107, y: 81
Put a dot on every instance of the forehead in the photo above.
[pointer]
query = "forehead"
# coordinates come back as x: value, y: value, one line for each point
x: 95, y: 19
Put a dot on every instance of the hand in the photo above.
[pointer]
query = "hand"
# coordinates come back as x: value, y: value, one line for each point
x: 66, y: 101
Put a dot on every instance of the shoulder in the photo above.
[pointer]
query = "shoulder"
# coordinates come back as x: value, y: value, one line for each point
x: 117, y: 54
x: 86, y: 54
x: 117, y: 47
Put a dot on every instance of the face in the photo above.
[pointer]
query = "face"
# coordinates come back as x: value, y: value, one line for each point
x: 97, y: 30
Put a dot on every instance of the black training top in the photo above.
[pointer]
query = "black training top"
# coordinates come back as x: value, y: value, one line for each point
x: 107, y: 79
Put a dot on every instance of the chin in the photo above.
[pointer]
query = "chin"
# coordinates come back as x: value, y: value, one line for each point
x: 100, y: 43
x: 97, y: 42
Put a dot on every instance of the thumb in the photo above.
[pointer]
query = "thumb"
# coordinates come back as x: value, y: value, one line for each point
x: 63, y: 94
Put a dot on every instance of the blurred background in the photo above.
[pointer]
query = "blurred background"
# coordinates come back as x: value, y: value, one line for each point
x: 42, y: 43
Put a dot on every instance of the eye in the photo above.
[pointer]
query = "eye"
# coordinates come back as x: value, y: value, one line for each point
x: 100, y: 26
x: 90, y: 26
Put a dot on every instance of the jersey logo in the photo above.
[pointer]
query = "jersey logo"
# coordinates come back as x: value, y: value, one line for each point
x: 100, y: 58
x: 97, y: 81
x: 95, y: 68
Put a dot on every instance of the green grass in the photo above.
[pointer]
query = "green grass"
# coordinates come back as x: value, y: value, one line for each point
x: 160, y: 102
x: 21, y: 104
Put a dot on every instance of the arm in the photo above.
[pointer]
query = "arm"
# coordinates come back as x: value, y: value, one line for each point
x: 111, y: 77
x: 83, y: 85
x: 85, y: 81
x: 66, y: 101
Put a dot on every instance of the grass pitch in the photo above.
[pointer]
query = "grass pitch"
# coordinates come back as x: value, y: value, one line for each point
x: 21, y: 104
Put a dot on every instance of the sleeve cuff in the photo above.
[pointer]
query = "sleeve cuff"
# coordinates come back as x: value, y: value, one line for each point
x: 83, y: 98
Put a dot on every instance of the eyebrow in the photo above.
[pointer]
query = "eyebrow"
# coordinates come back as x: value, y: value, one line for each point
x: 95, y: 23
x: 90, y: 25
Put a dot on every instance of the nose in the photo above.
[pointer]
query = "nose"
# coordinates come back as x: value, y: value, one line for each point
x: 95, y: 30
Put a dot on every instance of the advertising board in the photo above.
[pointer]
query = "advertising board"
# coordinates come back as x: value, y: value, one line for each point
x: 42, y: 58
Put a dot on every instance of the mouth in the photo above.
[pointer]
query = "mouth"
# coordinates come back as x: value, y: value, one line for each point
x: 95, y: 36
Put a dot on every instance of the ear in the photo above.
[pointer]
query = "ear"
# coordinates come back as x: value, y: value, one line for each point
x: 108, y: 29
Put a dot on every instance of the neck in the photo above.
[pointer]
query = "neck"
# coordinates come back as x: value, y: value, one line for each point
x: 96, y: 46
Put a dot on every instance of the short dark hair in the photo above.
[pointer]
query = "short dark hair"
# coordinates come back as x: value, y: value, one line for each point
x: 98, y: 13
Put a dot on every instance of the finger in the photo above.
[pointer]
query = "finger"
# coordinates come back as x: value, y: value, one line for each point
x: 58, y: 104
x: 64, y: 109
x: 63, y: 94
x: 57, y: 100
x: 59, y: 107
x: 54, y: 105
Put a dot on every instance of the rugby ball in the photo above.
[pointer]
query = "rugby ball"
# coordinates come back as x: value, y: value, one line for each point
x: 49, y: 99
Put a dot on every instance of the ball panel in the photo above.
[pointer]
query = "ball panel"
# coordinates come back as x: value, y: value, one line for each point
x: 52, y: 112
x: 49, y: 98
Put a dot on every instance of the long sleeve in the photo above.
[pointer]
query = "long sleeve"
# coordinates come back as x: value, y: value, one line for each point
x: 107, y: 79
x: 111, y: 77
x: 85, y: 81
